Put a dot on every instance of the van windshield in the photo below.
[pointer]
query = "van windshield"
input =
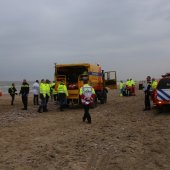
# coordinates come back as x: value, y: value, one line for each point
x: 164, y: 83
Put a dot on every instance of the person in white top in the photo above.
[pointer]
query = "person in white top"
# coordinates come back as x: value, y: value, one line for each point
x: 36, y: 89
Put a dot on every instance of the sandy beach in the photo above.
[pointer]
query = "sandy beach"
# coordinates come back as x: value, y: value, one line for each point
x: 121, y: 136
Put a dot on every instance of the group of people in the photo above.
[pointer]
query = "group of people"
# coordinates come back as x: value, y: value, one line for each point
x: 45, y: 89
x: 127, y: 88
x: 24, y: 91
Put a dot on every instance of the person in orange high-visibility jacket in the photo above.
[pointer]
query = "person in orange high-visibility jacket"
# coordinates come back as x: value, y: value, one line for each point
x: 62, y: 94
x: 87, y: 95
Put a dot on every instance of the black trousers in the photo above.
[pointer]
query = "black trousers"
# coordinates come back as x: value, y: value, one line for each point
x: 55, y: 97
x: 147, y: 101
x: 46, y: 103
x: 86, y: 114
x: 25, y: 101
x: 36, y: 102
x: 12, y: 98
x: 62, y: 100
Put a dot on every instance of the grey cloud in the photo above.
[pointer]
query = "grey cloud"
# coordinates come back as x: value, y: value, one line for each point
x: 118, y: 34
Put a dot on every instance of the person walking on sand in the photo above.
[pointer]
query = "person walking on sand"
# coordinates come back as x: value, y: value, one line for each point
x: 24, y: 93
x: 42, y: 96
x: 12, y: 91
x: 35, y: 89
x: 87, y: 95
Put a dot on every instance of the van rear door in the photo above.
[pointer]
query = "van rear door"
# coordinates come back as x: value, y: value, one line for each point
x: 110, y: 79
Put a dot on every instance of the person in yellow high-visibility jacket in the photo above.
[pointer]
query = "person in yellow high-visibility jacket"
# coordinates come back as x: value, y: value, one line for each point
x: 153, y: 86
x: 47, y: 91
x: 132, y: 87
x: 62, y: 94
x: 42, y: 96
x: 54, y: 92
x: 128, y: 86
x: 121, y: 87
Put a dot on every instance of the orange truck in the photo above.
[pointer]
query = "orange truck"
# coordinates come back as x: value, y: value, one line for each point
x: 72, y: 75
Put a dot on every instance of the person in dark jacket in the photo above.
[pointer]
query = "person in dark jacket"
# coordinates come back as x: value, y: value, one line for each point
x: 12, y: 91
x: 147, y: 91
x: 24, y: 93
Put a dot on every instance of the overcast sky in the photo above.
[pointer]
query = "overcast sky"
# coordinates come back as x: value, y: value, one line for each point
x: 129, y: 36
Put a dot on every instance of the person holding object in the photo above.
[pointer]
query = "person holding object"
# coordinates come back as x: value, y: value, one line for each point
x: 87, y: 95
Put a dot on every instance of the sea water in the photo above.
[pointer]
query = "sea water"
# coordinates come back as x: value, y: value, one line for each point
x: 4, y: 86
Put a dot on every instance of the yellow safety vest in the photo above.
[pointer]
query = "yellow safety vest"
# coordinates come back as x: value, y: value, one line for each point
x: 47, y: 87
x: 154, y: 84
x: 62, y: 89
x: 121, y: 85
x: 43, y: 89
